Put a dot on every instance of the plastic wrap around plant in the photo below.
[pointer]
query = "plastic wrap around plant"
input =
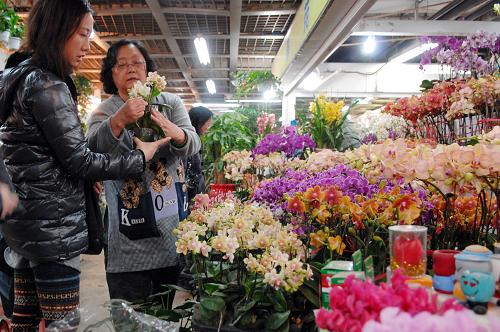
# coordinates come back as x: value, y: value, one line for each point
x: 122, y: 318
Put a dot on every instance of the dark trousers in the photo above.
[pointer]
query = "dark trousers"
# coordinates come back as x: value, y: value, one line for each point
x: 137, y: 286
x: 48, y: 291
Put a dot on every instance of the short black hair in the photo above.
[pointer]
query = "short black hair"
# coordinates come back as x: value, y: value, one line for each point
x: 199, y: 115
x: 50, y: 24
x: 110, y: 61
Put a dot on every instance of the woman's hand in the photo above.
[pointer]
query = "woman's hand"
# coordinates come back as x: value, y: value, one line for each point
x: 169, y: 128
x: 130, y: 112
x: 9, y: 201
x: 149, y: 148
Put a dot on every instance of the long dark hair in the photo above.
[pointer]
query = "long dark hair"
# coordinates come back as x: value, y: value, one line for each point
x: 110, y: 61
x: 199, y: 116
x: 50, y: 24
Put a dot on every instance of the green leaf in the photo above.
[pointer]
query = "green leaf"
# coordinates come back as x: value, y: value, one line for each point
x: 277, y: 319
x: 242, y: 311
x: 245, y: 320
x: 168, y: 315
x: 278, y: 300
x: 213, y: 303
x: 310, y: 295
x: 248, y: 306
x: 212, y: 287
x: 285, y: 327
x: 188, y: 304
x: 206, y: 314
x: 175, y: 287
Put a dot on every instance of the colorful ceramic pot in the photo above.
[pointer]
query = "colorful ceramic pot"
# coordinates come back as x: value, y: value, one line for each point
x: 472, y: 262
x: 495, y: 269
x: 443, y: 284
x: 443, y: 262
x: 478, y: 288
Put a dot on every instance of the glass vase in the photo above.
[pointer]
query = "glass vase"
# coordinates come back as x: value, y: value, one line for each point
x: 408, y: 249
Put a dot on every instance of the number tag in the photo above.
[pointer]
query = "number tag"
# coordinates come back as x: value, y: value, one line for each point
x: 165, y: 203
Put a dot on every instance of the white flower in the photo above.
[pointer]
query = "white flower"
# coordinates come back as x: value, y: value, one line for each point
x: 154, y: 79
x: 139, y: 90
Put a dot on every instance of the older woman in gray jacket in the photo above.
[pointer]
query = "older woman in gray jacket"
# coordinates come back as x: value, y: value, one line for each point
x: 141, y: 252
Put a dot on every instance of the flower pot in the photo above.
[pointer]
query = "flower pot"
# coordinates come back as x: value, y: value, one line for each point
x: 14, y: 43
x: 144, y: 134
x: 217, y: 189
x: 4, y: 36
x: 444, y: 262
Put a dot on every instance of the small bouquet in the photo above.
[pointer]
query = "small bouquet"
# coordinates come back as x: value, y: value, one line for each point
x: 144, y: 128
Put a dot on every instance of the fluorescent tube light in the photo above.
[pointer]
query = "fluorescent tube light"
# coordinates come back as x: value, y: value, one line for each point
x: 270, y: 94
x: 414, y: 52
x: 211, y: 87
x: 202, y: 49
x: 369, y: 45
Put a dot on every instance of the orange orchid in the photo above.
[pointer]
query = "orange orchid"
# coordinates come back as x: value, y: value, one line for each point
x: 332, y: 196
x: 407, y: 207
x: 317, y: 239
x: 296, y: 205
x: 336, y: 244
x: 315, y: 193
x: 321, y: 213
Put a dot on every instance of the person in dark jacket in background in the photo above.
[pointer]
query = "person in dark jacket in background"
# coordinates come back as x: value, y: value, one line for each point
x: 201, y: 119
x: 48, y: 159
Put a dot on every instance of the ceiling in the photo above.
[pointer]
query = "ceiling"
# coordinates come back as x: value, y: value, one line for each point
x: 241, y: 35
x: 246, y: 35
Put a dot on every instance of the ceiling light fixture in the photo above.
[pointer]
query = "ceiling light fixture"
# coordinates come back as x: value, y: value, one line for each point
x: 202, y: 49
x: 369, y: 45
x: 414, y: 52
x: 211, y: 87
x: 270, y: 94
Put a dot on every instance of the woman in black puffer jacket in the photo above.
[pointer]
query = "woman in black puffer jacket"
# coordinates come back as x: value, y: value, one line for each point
x: 48, y: 159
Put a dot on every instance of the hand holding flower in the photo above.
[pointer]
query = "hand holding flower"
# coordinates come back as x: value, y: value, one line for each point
x: 169, y: 128
x: 129, y: 113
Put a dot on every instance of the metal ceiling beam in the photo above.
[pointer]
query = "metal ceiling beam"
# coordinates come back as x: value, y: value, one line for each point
x: 192, y: 55
x: 234, y: 28
x: 271, y: 12
x: 456, y: 9
x: 155, y: 7
x: 101, y: 43
x: 332, y: 30
x: 484, y: 10
x: 206, y: 36
x: 190, y: 11
x: 152, y: 55
x: 423, y: 28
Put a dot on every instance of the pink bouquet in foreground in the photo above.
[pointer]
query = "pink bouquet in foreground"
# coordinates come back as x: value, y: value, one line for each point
x: 358, y: 302
x: 393, y: 319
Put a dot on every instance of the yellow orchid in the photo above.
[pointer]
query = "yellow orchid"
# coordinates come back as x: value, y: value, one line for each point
x: 336, y: 244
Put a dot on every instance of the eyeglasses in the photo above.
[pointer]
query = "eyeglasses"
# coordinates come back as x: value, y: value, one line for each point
x: 138, y: 65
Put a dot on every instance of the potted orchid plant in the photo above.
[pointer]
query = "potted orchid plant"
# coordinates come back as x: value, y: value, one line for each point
x: 246, y: 265
x: 144, y: 128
